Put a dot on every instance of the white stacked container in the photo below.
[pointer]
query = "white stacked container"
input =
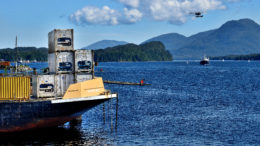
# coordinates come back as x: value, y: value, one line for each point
x: 66, y: 66
x: 43, y: 86
x: 62, y: 82
x: 61, y: 62
x: 80, y: 77
x: 83, y: 61
x: 61, y: 40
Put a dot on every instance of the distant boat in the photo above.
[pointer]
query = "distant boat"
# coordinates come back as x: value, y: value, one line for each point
x: 223, y: 60
x: 204, y: 61
x: 4, y: 64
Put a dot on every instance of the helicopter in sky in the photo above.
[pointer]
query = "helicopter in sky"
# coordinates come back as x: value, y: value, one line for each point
x: 197, y: 14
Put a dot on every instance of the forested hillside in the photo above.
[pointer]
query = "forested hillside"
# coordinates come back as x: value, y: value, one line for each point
x: 152, y: 51
x: 24, y: 53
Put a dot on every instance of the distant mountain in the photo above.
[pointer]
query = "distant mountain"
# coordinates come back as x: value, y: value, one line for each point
x: 104, y: 44
x: 152, y: 51
x: 236, y: 37
x: 171, y: 41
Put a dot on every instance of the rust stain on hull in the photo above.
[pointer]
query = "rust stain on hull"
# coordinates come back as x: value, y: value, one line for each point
x: 43, y: 123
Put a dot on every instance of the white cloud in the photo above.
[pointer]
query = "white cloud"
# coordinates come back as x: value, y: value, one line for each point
x: 94, y: 15
x: 132, y: 15
x: 130, y: 3
x: 176, y: 11
x: 105, y: 16
x: 172, y: 11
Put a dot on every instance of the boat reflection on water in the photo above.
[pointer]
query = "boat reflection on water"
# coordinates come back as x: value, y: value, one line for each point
x: 54, y: 135
x: 49, y: 136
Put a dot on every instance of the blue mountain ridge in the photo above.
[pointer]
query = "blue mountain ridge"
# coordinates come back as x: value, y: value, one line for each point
x: 104, y: 44
x: 236, y: 37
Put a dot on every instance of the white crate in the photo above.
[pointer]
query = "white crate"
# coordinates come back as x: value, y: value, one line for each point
x: 43, y: 86
x: 80, y: 77
x: 61, y: 62
x: 83, y: 60
x: 62, y: 82
x: 60, y: 40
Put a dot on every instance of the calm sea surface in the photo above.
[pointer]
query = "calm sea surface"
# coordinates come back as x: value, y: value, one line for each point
x: 187, y: 104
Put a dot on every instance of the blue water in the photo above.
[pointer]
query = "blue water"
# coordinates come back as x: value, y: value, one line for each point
x: 187, y: 104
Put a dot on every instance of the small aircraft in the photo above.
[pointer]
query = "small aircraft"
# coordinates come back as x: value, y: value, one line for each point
x: 197, y: 14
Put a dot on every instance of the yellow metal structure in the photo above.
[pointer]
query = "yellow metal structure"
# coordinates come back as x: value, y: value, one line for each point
x: 87, y: 88
x: 15, y: 88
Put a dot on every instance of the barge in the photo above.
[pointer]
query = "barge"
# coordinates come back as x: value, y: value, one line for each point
x: 52, y: 99
x: 24, y: 113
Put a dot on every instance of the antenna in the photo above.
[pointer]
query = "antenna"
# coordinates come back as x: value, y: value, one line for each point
x: 16, y: 54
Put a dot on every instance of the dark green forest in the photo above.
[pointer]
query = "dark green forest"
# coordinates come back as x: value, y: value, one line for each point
x: 238, y: 57
x: 152, y: 51
x: 24, y: 53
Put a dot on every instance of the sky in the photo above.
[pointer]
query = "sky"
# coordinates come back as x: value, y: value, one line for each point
x: 133, y: 21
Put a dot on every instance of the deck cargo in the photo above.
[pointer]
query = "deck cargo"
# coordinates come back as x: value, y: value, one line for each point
x: 62, y: 82
x: 80, y: 77
x: 15, y: 88
x: 43, y: 86
x: 4, y: 64
x: 61, y: 40
x: 89, y: 88
x: 83, y: 61
x: 61, y: 62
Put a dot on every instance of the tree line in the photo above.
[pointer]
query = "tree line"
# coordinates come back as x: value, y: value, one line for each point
x: 152, y: 51
x: 238, y: 57
x: 24, y: 53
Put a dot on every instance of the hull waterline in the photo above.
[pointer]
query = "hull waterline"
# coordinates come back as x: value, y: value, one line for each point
x: 20, y: 116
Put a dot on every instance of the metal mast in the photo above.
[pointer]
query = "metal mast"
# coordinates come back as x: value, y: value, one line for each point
x: 16, y: 54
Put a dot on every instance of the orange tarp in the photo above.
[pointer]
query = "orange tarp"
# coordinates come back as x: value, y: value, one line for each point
x: 93, y: 87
